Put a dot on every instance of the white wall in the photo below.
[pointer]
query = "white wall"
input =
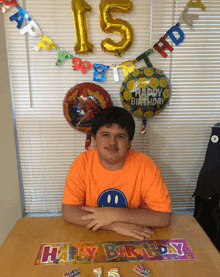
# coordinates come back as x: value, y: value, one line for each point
x: 10, y: 203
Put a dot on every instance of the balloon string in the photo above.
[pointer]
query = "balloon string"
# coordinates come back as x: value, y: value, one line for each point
x: 144, y: 125
x: 88, y: 141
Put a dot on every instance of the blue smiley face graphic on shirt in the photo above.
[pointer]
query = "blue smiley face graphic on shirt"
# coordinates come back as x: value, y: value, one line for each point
x: 112, y: 198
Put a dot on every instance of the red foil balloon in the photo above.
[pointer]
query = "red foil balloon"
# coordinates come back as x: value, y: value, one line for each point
x: 80, y: 105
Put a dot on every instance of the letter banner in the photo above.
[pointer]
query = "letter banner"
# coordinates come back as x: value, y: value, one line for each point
x: 113, y: 251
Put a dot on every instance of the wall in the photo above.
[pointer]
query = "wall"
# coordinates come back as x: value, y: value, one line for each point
x: 10, y: 203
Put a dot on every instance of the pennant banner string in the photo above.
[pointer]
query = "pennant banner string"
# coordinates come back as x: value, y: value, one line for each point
x: 100, y: 69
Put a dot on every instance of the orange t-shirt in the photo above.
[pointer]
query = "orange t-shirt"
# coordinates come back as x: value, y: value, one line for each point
x: 139, y: 184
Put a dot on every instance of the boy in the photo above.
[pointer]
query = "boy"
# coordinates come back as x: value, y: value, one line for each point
x: 113, y: 187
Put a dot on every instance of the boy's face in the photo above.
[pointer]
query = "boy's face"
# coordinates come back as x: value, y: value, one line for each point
x: 112, y: 144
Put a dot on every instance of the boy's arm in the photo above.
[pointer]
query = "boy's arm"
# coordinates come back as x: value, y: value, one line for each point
x: 144, y: 217
x: 73, y: 214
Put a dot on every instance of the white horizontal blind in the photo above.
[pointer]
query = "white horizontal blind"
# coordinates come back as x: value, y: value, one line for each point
x: 179, y: 136
x: 176, y: 139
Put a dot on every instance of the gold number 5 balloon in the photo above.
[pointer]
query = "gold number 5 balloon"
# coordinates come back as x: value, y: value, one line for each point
x: 80, y: 10
x: 109, y: 24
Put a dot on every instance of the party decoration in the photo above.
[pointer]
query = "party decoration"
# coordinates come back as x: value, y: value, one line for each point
x: 188, y: 18
x: 20, y: 16
x: 113, y: 272
x: 83, y: 66
x: 80, y: 105
x: 141, y: 270
x: 99, y: 72
x: 98, y: 271
x: 32, y: 29
x: 115, y: 72
x: 144, y: 57
x: 80, y: 9
x: 179, y: 31
x: 7, y: 5
x: 114, y: 251
x: 42, y: 44
x: 198, y: 4
x: 109, y: 24
x: 165, y: 45
x: 145, y: 93
x: 128, y: 67
x: 72, y: 273
x: 62, y: 56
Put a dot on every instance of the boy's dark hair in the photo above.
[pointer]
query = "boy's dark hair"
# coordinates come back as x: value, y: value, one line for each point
x: 114, y: 115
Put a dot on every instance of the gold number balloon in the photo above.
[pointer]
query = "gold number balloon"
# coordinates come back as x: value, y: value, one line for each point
x: 80, y: 9
x: 109, y: 24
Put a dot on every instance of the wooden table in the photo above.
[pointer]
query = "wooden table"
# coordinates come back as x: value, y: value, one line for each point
x: 19, y: 251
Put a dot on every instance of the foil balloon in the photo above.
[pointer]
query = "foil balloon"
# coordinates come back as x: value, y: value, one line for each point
x: 145, y: 93
x: 80, y: 105
x: 80, y: 9
x: 109, y: 24
x: 7, y: 5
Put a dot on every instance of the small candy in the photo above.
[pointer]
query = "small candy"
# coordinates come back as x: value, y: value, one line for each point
x: 72, y: 273
x: 141, y: 270
x: 113, y: 272
x: 56, y: 261
x: 66, y: 274
x: 98, y: 271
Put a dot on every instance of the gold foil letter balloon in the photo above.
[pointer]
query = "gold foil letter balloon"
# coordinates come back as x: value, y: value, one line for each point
x: 80, y: 9
x: 109, y: 24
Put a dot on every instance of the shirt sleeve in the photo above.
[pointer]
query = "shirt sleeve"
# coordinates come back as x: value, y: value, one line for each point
x: 154, y: 190
x: 74, y: 191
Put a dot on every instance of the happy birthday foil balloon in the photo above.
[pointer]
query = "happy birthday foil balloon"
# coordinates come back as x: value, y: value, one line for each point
x: 80, y: 105
x: 80, y: 9
x: 109, y: 24
x: 145, y: 93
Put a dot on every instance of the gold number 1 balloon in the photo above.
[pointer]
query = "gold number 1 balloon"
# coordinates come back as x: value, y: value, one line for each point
x: 110, y: 24
x: 80, y: 9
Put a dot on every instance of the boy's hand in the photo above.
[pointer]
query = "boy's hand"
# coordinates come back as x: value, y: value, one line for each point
x: 132, y: 230
x: 100, y: 217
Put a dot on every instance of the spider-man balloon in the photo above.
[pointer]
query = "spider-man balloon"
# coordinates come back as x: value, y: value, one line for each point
x: 80, y: 105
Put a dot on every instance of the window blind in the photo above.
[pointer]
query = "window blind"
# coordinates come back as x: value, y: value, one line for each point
x: 176, y: 139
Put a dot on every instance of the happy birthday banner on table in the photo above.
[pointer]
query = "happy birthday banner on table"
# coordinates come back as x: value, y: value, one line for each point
x: 113, y: 251
x: 82, y: 38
